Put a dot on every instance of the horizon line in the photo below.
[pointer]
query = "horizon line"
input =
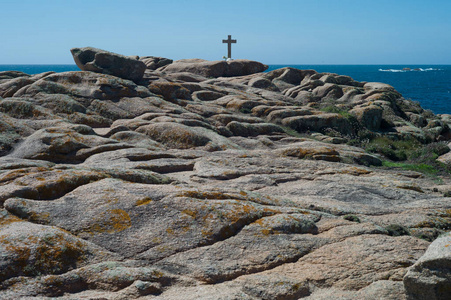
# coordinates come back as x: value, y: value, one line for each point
x: 270, y: 64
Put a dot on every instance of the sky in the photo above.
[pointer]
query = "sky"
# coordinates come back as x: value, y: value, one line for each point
x: 273, y: 32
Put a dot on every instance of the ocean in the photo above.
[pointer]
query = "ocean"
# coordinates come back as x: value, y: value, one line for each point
x: 428, y: 84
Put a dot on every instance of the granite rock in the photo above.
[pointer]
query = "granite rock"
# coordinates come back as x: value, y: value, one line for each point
x: 243, y: 185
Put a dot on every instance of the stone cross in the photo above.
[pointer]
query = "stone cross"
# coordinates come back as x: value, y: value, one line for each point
x: 229, y: 41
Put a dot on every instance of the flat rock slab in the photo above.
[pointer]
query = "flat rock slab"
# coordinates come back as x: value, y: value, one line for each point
x: 205, y: 68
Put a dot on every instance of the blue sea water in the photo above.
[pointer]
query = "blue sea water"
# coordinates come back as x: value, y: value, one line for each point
x: 430, y: 84
x: 36, y: 69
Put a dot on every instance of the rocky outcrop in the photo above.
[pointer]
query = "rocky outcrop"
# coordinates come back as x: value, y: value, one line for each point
x: 101, y: 61
x: 221, y: 68
x: 262, y: 186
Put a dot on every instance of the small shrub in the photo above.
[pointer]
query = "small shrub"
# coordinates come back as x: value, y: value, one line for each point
x: 352, y: 218
x: 245, y: 110
x: 291, y: 131
x: 397, y: 230
x: 397, y: 150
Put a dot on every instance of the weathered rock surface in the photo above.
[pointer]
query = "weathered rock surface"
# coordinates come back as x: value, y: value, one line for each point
x: 249, y: 185
x: 101, y: 61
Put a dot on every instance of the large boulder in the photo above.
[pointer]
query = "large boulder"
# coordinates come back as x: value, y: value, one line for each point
x: 219, y: 68
x: 430, y: 276
x: 369, y: 116
x: 101, y: 61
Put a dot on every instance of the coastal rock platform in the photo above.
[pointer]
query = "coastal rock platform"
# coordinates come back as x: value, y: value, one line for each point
x: 186, y: 184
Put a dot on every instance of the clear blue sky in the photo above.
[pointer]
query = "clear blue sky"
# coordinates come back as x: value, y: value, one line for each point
x: 273, y: 32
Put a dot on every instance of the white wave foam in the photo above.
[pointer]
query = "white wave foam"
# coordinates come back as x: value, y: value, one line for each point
x: 409, y: 70
x: 392, y: 70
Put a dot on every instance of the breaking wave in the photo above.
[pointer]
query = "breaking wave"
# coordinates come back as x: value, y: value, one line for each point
x: 409, y: 70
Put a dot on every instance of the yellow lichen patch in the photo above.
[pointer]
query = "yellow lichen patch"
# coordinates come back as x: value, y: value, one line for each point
x: 445, y: 213
x: 170, y: 231
x: 14, y: 174
x: 11, y: 175
x: 239, y: 212
x: 186, y: 228
x: 55, y: 251
x: 46, y: 253
x: 156, y: 240
x: 39, y: 217
x: 143, y: 201
x: 205, y: 195
x: 5, y: 220
x: 270, y: 211
x: 207, y: 232
x: 265, y: 230
x: 191, y: 213
x: 20, y: 253
x: 410, y: 187
x: 111, y: 221
x: 354, y: 171
x: 310, y: 152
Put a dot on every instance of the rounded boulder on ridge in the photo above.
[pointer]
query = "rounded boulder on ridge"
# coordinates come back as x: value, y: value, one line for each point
x: 101, y: 61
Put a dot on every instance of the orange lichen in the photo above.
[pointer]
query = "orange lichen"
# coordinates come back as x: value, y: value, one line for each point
x: 50, y: 253
x: 9, y: 219
x: 205, y: 195
x: 39, y: 217
x: 191, y: 213
x: 411, y: 187
x: 143, y: 201
x: 111, y: 221
x: 354, y: 171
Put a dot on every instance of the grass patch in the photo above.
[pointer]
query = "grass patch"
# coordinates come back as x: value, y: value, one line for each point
x: 410, y: 154
x: 422, y: 168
